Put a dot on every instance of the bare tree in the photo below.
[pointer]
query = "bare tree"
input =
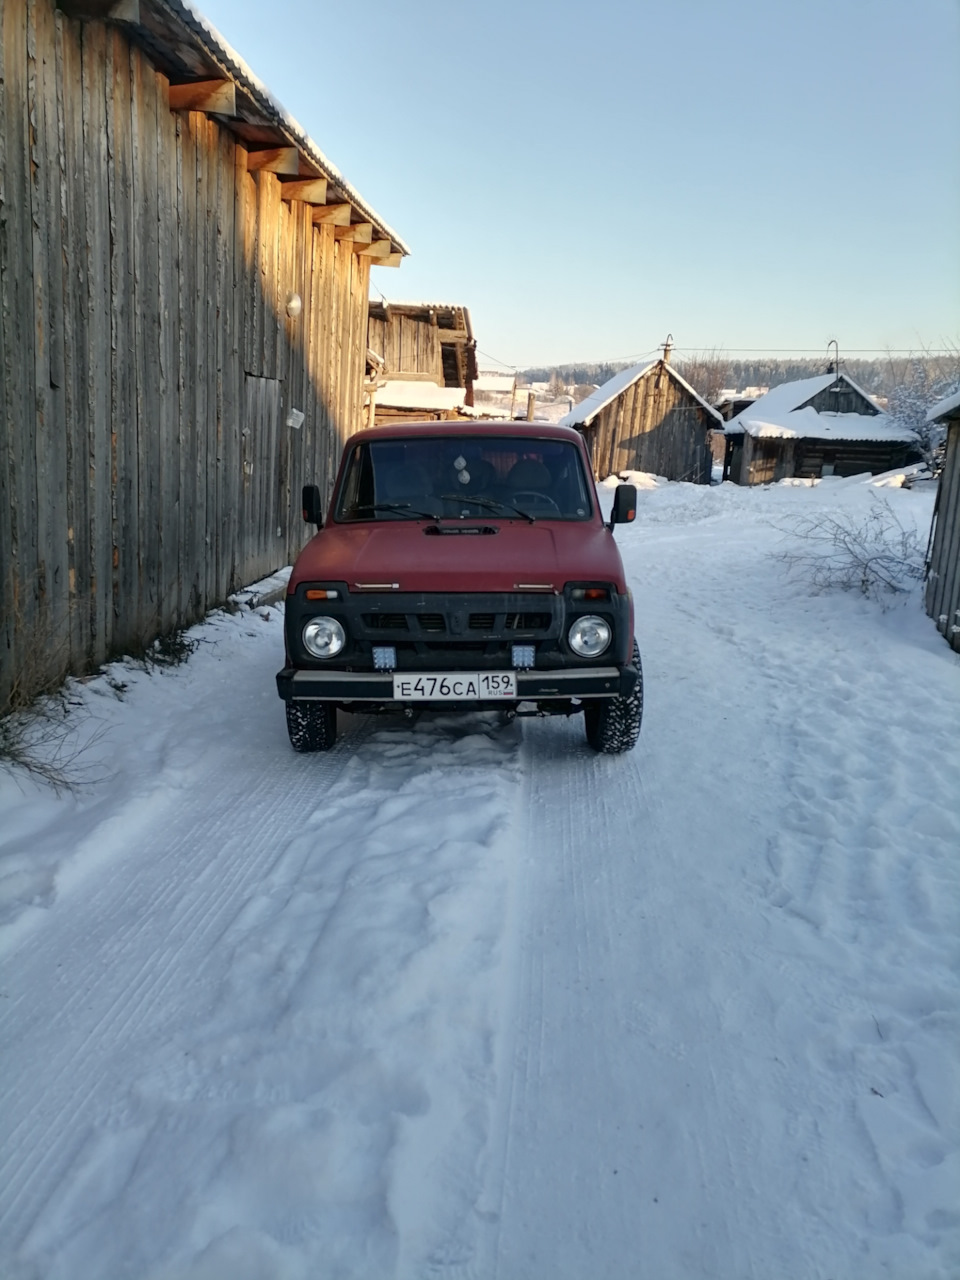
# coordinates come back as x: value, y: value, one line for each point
x: 707, y: 372
x: 919, y: 381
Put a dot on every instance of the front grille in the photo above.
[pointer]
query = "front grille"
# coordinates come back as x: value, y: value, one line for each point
x: 482, y: 621
x: 385, y: 621
x: 431, y: 622
x: 528, y: 621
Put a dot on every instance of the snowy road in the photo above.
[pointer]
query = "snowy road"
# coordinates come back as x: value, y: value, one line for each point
x: 469, y: 1001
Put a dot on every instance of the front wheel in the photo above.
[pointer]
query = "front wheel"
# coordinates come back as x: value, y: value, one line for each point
x: 312, y: 726
x: 613, y: 725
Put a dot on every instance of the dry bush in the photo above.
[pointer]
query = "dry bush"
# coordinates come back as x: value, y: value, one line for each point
x: 873, y: 553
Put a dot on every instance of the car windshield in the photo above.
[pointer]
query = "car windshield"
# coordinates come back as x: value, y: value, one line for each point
x: 440, y: 477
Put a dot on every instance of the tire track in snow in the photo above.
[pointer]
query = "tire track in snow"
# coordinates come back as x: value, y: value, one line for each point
x: 334, y: 970
x: 572, y: 1175
x: 162, y: 915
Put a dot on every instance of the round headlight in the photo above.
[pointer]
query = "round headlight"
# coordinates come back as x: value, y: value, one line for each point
x: 323, y: 637
x: 589, y: 636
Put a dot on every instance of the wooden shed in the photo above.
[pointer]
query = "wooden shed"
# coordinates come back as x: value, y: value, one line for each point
x: 647, y: 418
x: 813, y: 427
x: 422, y: 361
x: 943, y: 562
x: 184, y: 282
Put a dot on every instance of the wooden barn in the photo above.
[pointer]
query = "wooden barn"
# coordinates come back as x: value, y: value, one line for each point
x: 421, y: 361
x: 943, y: 563
x: 647, y: 418
x: 813, y: 427
x: 184, y: 282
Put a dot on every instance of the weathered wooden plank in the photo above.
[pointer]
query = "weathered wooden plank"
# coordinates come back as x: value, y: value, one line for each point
x: 8, y: 333
x: 187, y: 391
x: 252, y: 291
x: 329, y: 355
x: 280, y: 460
x: 75, y: 335
x: 225, y: 331
x: 204, y: 555
x: 98, y: 309
x: 361, y: 304
x: 313, y: 461
x: 49, y: 499
x: 361, y: 232
x: 213, y: 318
x: 270, y: 208
x: 943, y: 584
x: 312, y: 191
x: 285, y: 160
x: 126, y: 523
x: 234, y: 387
x: 214, y: 96
x: 16, y: 285
x: 168, y: 380
x: 145, y: 351
x: 376, y: 249
x: 195, y: 371
x: 335, y: 214
x: 152, y: 90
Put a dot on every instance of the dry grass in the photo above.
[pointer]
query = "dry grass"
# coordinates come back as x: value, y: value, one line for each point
x: 42, y: 726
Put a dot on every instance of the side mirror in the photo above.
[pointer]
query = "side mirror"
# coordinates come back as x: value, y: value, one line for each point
x: 624, y: 505
x: 312, y: 510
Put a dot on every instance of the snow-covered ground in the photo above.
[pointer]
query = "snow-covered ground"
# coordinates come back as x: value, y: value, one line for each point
x: 469, y: 1001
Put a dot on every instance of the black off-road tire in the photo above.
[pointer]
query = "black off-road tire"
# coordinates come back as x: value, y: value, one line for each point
x: 613, y: 725
x: 312, y: 726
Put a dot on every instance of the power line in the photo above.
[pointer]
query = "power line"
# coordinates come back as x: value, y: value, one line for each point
x: 801, y: 351
x: 487, y: 356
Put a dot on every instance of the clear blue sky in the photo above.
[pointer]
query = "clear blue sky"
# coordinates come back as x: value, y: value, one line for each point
x: 588, y: 177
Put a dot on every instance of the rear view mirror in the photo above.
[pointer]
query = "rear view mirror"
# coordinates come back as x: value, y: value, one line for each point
x: 624, y: 505
x: 312, y: 510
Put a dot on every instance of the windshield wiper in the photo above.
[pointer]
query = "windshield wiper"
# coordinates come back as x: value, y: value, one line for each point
x: 491, y: 504
x: 404, y: 508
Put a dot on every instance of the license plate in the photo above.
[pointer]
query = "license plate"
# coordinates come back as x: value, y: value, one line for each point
x: 455, y: 686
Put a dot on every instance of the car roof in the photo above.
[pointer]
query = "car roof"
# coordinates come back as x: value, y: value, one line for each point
x: 446, y: 430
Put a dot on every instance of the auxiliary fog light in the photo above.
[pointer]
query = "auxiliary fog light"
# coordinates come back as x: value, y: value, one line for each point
x: 524, y: 656
x: 323, y: 637
x: 589, y: 636
x: 384, y: 657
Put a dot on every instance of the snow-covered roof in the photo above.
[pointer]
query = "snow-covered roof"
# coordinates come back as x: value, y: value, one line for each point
x: 778, y: 415
x: 413, y: 394
x: 945, y: 407
x: 220, y: 51
x: 583, y: 413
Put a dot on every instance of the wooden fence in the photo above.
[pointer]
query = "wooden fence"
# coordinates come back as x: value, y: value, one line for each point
x: 943, y: 573
x: 149, y: 461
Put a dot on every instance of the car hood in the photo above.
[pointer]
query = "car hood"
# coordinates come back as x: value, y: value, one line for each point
x: 413, y: 556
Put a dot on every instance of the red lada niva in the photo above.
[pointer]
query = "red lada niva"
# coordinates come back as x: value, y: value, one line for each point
x: 462, y: 565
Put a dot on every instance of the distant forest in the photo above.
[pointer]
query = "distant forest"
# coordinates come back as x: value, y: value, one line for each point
x: 711, y: 372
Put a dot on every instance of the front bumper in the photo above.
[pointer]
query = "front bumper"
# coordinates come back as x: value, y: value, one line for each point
x: 532, y: 686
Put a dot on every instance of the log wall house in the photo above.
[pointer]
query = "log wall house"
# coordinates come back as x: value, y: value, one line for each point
x: 421, y: 361
x: 184, y: 285
x: 942, y: 595
x: 648, y: 418
x: 810, y: 428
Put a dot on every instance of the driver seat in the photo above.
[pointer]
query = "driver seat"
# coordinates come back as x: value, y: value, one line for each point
x: 530, y: 476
